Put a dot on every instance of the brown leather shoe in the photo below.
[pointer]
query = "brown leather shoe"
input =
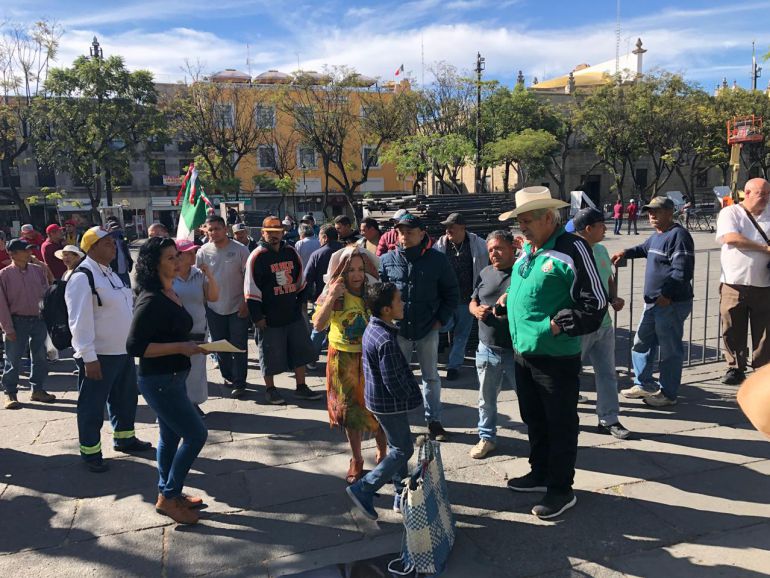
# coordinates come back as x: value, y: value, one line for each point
x: 42, y: 396
x: 176, y: 509
x: 193, y: 502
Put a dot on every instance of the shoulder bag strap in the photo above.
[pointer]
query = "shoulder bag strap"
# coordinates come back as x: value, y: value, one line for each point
x: 756, y: 225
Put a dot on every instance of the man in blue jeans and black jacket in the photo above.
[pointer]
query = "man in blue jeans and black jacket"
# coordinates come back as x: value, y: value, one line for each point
x: 429, y: 289
x: 670, y: 254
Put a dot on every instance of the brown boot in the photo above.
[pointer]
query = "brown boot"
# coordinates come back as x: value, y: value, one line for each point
x: 193, y: 502
x: 176, y: 509
x: 42, y: 396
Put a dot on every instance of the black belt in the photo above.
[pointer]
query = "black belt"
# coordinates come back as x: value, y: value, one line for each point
x: 26, y: 316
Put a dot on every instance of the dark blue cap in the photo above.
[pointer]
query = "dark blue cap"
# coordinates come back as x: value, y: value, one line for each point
x: 18, y: 245
x: 587, y: 217
x: 411, y: 221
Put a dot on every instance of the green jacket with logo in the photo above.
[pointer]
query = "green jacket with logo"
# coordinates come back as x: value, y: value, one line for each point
x: 558, y: 282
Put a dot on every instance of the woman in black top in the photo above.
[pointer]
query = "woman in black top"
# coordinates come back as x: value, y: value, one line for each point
x: 160, y: 338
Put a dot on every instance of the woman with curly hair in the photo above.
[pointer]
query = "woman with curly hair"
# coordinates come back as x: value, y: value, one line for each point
x: 342, y: 309
x: 160, y: 338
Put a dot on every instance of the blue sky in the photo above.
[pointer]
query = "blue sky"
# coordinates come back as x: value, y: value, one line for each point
x: 703, y: 40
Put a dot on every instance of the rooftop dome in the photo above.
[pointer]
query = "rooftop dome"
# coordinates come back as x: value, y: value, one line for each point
x: 362, y: 81
x: 231, y: 75
x: 311, y: 76
x: 272, y: 77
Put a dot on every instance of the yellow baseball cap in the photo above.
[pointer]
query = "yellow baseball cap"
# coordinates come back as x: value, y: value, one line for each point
x: 91, y: 236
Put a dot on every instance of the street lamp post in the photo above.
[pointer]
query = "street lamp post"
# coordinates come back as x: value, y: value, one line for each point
x: 96, y: 53
x: 480, y: 65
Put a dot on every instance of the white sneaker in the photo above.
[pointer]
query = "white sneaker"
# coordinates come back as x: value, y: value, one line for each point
x: 659, y: 400
x: 637, y: 392
x: 481, y: 449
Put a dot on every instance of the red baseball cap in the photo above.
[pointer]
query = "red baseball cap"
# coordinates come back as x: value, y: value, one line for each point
x: 53, y: 228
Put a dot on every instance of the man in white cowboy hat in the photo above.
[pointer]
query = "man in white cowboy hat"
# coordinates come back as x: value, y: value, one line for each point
x: 555, y: 295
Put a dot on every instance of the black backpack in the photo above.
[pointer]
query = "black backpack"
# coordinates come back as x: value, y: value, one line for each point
x: 55, y: 312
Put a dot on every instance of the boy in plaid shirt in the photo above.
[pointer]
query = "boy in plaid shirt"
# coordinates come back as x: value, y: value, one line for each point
x: 391, y: 391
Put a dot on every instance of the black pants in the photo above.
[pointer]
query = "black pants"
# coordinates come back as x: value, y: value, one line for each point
x: 547, y: 388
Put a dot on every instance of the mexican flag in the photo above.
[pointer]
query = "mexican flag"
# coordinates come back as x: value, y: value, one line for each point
x: 194, y: 203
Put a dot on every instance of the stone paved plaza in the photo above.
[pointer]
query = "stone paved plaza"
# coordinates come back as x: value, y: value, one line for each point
x: 690, y: 496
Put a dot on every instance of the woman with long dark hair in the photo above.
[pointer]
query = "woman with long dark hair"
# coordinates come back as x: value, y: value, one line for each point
x: 341, y: 308
x: 160, y: 338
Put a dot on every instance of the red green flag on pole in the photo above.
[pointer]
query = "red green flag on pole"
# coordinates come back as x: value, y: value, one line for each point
x: 193, y: 202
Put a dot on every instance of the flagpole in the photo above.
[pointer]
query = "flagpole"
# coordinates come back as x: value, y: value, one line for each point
x: 184, y: 183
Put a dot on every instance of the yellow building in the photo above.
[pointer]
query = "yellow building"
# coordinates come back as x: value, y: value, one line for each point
x: 275, y: 98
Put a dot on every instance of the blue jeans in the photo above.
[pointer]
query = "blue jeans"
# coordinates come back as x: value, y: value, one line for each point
x: 117, y: 390
x: 318, y: 339
x: 177, y: 420
x: 30, y: 333
x: 394, y: 467
x: 427, y: 357
x: 660, y: 327
x: 599, y: 352
x: 462, y: 323
x: 618, y: 225
x: 493, y: 368
x: 236, y: 330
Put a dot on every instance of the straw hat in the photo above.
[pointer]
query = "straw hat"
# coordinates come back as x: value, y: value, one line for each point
x: 532, y: 199
x: 69, y: 249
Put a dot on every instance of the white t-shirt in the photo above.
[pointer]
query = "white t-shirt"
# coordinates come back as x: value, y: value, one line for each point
x: 227, y: 265
x: 741, y: 267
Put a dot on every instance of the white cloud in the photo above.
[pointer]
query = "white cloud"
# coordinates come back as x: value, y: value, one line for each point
x: 142, y: 10
x: 359, y: 12
x: 164, y: 53
x: 698, y: 42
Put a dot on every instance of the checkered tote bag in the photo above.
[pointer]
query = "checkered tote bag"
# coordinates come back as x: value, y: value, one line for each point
x: 429, y: 530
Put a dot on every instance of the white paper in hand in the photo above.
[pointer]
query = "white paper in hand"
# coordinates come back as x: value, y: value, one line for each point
x: 221, y: 346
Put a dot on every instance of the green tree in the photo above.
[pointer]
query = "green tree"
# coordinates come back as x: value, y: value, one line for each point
x: 700, y: 139
x: 409, y: 155
x: 25, y: 56
x: 604, y: 121
x: 559, y: 120
x: 528, y: 152
x: 657, y: 109
x: 448, y: 154
x: 95, y: 118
